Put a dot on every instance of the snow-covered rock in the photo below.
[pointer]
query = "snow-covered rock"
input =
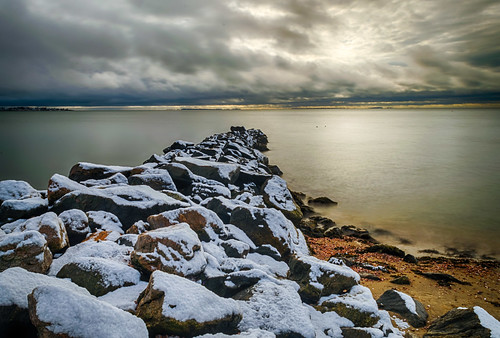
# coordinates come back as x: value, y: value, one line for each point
x: 174, y: 249
x: 103, y: 220
x: 276, y: 195
x: 318, y: 278
x: 117, y: 178
x: 28, y: 250
x: 158, y: 179
x: 60, y: 185
x: 173, y: 305
x: 24, y: 208
x: 16, y: 190
x: 129, y: 203
x: 125, y: 298
x: 60, y: 311
x: 99, y: 275
x: 223, y: 172
x: 83, y: 171
x: 48, y: 225
x: 410, y: 309
x: 76, y: 223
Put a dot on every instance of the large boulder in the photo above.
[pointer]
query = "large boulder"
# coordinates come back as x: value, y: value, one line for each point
x: 318, y: 278
x: 76, y: 223
x: 269, y: 226
x: 204, y: 222
x: 60, y: 312
x: 275, y: 307
x: 223, y: 172
x: 174, y: 249
x: 276, y: 195
x: 16, y: 190
x: 158, y: 179
x: 129, y: 203
x: 15, y: 286
x: 83, y: 171
x: 22, y: 209
x: 48, y: 225
x: 465, y: 322
x: 410, y: 309
x: 28, y: 250
x: 99, y: 275
x: 172, y: 305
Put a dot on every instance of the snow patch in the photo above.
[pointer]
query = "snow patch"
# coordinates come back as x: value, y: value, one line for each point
x: 488, y: 321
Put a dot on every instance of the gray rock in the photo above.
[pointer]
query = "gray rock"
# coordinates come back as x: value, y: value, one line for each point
x: 222, y: 172
x: 410, y: 309
x: 83, y: 171
x: 22, y: 209
x: 464, y: 322
x: 76, y: 223
x: 15, y: 190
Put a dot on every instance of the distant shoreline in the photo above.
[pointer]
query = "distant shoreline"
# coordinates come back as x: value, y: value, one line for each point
x: 33, y: 109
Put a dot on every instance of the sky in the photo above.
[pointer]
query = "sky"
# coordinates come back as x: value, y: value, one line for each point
x: 288, y: 53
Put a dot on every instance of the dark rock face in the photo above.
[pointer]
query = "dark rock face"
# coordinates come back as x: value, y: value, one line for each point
x: 83, y: 171
x: 409, y: 308
x: 459, y: 323
x: 322, y: 201
x: 22, y: 209
x: 386, y: 249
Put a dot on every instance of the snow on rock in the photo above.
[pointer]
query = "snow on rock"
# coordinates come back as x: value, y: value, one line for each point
x: 488, y: 321
x: 125, y: 298
x: 204, y: 222
x: 117, y: 178
x: 173, y: 305
x: 269, y: 226
x: 103, y: 249
x: 276, y: 308
x: 465, y: 322
x: 48, y: 225
x: 60, y: 185
x: 268, y: 264
x: 129, y: 203
x: 83, y: 171
x: 59, y: 311
x: 158, y: 179
x: 175, y: 249
x: 318, y: 278
x: 223, y: 172
x: 103, y: 220
x: 28, y: 250
x: 277, y: 195
x: 16, y: 190
x: 24, y: 208
x: 251, y: 333
x: 99, y: 275
x: 76, y: 223
x: 410, y: 309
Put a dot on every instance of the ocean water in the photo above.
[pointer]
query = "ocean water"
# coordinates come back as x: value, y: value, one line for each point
x: 428, y: 178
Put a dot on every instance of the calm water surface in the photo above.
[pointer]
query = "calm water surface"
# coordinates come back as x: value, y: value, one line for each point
x: 427, y: 176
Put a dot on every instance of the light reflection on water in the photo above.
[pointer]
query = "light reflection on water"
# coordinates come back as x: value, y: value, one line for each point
x: 431, y: 176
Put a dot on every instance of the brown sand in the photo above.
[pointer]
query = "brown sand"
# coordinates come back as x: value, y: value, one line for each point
x: 483, y: 277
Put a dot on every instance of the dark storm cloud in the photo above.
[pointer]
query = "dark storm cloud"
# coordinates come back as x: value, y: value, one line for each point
x: 317, y: 52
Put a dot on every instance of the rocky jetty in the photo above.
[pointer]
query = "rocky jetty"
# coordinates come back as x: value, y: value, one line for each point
x: 203, y: 239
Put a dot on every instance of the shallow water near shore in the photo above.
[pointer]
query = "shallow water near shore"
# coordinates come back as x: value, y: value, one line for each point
x: 428, y: 178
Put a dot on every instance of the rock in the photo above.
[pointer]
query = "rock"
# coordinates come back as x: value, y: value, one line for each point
x: 369, y: 276
x: 319, y: 226
x: 401, y: 280
x: 175, y: 249
x: 275, y: 170
x: 125, y: 298
x: 83, y: 171
x: 410, y: 309
x: 99, y: 275
x: 15, y: 286
x: 76, y: 223
x: 322, y: 200
x: 351, y: 230
x: 179, y: 144
x: 22, y: 209
x: 129, y: 203
x: 465, y: 322
x: 386, y: 249
x: 28, y: 250
x: 229, y: 285
x: 222, y: 172
x: 60, y: 185
x: 117, y: 178
x: 235, y: 248
x: 443, y: 279
x: 276, y: 308
x: 181, y: 175
x: 128, y: 240
x: 158, y: 179
x: 358, y: 306
x: 318, y: 278
x: 204, y: 222
x: 202, y: 190
x: 276, y: 195
x: 269, y: 226
x: 103, y: 220
x: 410, y: 259
x: 172, y: 305
x: 223, y: 207
x: 138, y: 228
x: 16, y: 190
x: 60, y: 312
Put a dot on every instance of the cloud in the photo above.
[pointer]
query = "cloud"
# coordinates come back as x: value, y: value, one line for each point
x: 283, y: 51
